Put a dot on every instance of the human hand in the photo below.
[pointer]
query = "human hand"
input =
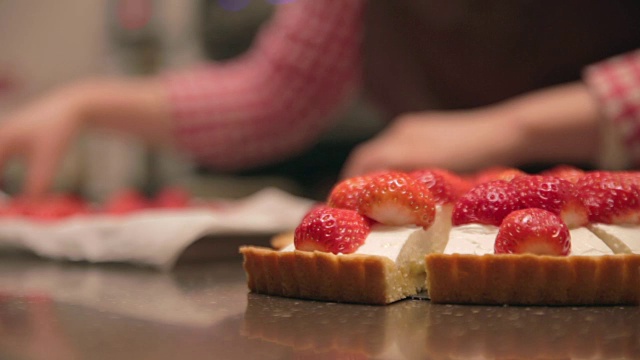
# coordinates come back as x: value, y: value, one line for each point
x: 457, y: 140
x: 39, y: 134
x: 554, y: 125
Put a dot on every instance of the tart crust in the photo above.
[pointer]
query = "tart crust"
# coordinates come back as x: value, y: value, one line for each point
x: 354, y: 278
x: 533, y: 279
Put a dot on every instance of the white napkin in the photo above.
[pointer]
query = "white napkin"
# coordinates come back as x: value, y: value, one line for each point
x: 152, y: 237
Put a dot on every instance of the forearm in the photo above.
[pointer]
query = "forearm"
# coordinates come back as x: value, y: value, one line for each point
x: 558, y: 124
x: 134, y: 106
x: 279, y: 97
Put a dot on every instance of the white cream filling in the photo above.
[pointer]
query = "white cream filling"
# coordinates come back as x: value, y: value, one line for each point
x: 406, y: 245
x: 480, y: 239
x: 475, y: 239
x: 622, y: 239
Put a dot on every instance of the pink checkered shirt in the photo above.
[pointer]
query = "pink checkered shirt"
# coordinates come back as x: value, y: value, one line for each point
x: 277, y: 99
x: 616, y: 84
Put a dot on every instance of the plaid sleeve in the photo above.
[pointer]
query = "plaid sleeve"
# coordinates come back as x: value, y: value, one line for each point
x: 615, y: 83
x: 277, y: 98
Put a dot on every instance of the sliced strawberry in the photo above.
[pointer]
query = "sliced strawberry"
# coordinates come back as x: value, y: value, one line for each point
x: 533, y: 231
x: 611, y: 197
x: 497, y: 173
x: 445, y: 186
x: 486, y: 203
x: 172, y: 198
x: 126, y: 201
x: 347, y: 193
x: 52, y: 207
x: 553, y: 194
x: 395, y: 198
x: 566, y: 172
x: 332, y: 230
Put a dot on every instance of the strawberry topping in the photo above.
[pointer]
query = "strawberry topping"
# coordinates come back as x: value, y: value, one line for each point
x: 445, y: 186
x: 566, y: 172
x: 346, y: 194
x: 395, y: 198
x: 533, y: 231
x: 332, y: 230
x: 611, y: 197
x: 486, y: 203
x: 553, y: 194
x: 497, y: 173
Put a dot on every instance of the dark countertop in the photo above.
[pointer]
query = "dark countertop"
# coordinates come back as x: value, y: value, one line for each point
x: 202, y: 310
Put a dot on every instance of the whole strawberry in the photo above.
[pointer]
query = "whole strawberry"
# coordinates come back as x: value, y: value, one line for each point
x: 487, y: 203
x: 332, y: 230
x: 533, y: 231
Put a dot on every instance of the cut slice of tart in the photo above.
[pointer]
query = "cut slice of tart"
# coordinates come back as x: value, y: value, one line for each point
x: 389, y: 266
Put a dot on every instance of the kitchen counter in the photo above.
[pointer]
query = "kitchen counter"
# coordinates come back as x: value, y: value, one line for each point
x: 202, y: 310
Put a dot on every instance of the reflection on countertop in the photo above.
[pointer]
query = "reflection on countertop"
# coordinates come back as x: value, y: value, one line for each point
x: 54, y: 310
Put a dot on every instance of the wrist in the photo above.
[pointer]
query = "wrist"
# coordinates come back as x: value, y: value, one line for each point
x: 513, y: 139
x: 137, y: 107
x: 82, y: 101
x: 556, y: 125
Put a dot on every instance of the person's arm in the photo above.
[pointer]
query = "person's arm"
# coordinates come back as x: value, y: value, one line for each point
x: 40, y: 132
x: 558, y: 124
x: 264, y: 106
x: 615, y: 83
x: 277, y: 99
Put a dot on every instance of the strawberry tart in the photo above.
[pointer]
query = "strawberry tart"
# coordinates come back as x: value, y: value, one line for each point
x: 562, y: 237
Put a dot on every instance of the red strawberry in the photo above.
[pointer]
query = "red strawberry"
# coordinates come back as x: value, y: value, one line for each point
x: 553, y: 194
x: 445, y: 186
x: 497, y: 173
x: 331, y: 230
x: 486, y: 203
x: 126, y: 201
x: 566, y: 172
x: 172, y: 198
x: 346, y: 194
x: 533, y: 231
x: 52, y: 207
x: 395, y: 198
x: 611, y: 197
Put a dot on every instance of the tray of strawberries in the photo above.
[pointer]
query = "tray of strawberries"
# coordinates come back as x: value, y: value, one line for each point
x: 130, y: 227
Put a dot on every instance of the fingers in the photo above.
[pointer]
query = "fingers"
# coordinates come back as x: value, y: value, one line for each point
x: 43, y: 161
x: 9, y: 148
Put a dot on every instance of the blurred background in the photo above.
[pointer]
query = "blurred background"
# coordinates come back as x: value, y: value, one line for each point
x: 48, y: 44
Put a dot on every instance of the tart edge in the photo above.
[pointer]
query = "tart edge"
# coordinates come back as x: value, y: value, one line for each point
x: 354, y: 278
x: 533, y: 279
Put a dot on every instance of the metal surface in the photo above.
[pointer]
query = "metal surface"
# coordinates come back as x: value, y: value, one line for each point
x: 52, y: 310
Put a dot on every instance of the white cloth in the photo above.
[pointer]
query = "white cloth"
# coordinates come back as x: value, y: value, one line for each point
x: 154, y: 238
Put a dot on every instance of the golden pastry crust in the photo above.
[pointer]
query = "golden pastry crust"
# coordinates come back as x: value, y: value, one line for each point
x: 533, y: 279
x: 353, y: 278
